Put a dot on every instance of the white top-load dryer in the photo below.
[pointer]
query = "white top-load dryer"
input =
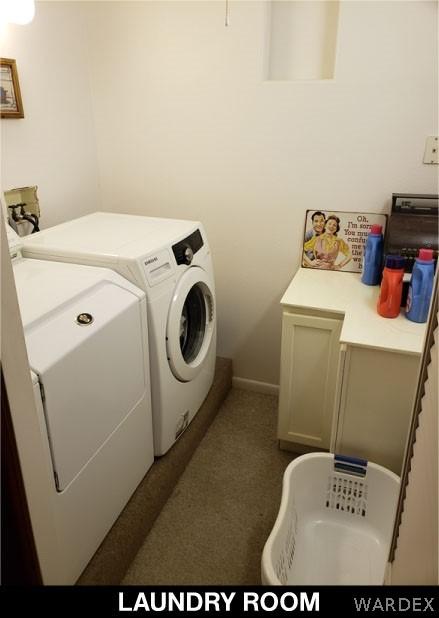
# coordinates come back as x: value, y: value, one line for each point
x: 170, y: 260
x: 87, y: 343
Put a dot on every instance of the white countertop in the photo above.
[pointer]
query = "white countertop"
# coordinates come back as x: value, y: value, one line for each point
x: 343, y: 293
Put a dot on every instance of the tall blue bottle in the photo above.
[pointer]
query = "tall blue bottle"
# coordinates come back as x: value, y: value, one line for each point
x: 421, y: 287
x: 373, y: 256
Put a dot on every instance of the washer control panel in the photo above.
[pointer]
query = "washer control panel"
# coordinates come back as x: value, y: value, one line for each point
x: 185, y: 250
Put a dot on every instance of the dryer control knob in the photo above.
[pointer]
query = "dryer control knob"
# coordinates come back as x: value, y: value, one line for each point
x: 188, y: 255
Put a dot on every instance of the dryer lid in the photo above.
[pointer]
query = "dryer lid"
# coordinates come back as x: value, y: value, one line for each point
x: 89, y: 357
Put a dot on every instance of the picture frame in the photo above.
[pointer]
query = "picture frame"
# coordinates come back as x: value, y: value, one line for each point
x: 335, y: 240
x: 11, y: 105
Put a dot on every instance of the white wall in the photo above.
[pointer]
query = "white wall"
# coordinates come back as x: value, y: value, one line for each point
x: 53, y: 146
x: 186, y: 127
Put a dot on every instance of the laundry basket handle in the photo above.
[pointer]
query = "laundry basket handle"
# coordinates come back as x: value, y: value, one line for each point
x: 350, y: 465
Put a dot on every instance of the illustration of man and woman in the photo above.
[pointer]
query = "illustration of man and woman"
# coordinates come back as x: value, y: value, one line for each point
x: 322, y: 245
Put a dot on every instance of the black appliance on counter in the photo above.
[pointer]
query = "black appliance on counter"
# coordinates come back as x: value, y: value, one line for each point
x: 412, y: 225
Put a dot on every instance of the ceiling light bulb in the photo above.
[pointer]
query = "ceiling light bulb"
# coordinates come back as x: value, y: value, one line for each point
x: 19, y: 12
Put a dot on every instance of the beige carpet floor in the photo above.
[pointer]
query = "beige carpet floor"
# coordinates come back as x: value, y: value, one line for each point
x: 213, y: 527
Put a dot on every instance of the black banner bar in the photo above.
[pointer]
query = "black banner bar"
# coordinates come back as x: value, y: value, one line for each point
x: 220, y: 601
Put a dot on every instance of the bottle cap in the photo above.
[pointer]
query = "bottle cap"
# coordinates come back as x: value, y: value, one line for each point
x: 426, y: 255
x: 395, y: 262
x: 376, y: 229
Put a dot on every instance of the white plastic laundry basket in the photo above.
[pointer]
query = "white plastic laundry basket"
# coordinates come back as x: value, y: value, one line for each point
x: 334, y: 524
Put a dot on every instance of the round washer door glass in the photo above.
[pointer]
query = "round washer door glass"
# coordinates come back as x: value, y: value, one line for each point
x: 191, y: 323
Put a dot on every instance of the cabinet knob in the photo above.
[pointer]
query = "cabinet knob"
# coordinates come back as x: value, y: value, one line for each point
x: 188, y: 255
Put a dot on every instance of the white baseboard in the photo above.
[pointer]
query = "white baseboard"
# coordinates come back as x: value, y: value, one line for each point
x: 255, y: 386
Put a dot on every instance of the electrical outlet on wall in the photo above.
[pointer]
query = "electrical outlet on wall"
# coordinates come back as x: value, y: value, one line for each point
x: 431, y: 149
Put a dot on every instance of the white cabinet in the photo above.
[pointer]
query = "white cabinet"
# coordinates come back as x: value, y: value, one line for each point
x: 372, y: 418
x: 309, y: 359
x: 348, y: 377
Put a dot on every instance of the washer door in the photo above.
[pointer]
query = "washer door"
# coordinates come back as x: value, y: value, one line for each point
x: 191, y: 324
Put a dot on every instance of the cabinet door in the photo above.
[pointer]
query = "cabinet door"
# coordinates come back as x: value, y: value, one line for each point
x: 376, y: 405
x: 309, y: 361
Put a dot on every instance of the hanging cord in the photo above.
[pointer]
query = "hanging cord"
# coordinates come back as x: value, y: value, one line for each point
x: 33, y: 219
x: 36, y: 226
x: 226, y: 22
x: 26, y: 216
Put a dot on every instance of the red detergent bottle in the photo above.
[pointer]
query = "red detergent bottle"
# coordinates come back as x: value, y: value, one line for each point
x: 389, y: 300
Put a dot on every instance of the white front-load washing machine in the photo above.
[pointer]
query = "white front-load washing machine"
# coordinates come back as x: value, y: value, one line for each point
x: 170, y: 260
x: 87, y: 343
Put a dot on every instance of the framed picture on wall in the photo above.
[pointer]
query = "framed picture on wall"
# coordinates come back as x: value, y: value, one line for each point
x: 335, y: 240
x: 11, y: 105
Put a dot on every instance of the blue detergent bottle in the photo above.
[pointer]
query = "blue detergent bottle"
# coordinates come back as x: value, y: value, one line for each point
x: 421, y: 286
x: 373, y: 256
